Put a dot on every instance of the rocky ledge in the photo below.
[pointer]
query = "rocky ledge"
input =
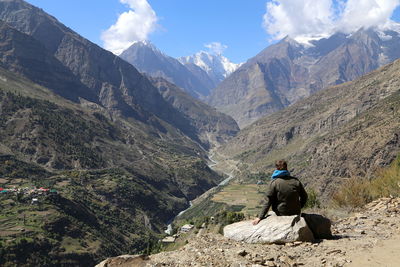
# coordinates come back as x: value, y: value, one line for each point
x: 357, y: 238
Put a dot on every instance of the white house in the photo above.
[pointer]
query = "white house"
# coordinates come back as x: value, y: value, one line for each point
x: 186, y: 228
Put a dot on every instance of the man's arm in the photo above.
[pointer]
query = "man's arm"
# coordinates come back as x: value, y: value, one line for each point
x: 263, y: 212
x: 269, y: 195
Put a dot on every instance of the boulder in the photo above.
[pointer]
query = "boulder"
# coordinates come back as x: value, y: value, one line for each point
x: 320, y: 226
x: 273, y: 229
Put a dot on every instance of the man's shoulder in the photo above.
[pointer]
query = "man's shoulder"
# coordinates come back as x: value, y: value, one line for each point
x: 285, y: 178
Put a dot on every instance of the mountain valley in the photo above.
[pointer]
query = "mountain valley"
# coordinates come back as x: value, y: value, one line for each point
x: 99, y: 153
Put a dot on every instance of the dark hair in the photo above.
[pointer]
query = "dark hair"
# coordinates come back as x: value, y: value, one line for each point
x: 281, y: 165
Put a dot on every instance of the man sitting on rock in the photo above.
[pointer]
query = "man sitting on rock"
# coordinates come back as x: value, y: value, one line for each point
x: 285, y: 193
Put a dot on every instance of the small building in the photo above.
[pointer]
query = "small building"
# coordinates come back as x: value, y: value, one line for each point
x: 35, y: 201
x: 169, y: 239
x: 186, y: 228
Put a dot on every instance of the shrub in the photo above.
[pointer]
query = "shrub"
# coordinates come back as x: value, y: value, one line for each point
x: 312, y: 200
x: 356, y: 192
x: 387, y: 182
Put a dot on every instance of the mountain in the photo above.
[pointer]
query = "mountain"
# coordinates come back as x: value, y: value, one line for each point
x: 78, y: 119
x: 288, y: 71
x: 100, y: 76
x: 216, y: 66
x: 148, y: 59
x: 108, y: 174
x: 344, y: 131
x: 116, y: 84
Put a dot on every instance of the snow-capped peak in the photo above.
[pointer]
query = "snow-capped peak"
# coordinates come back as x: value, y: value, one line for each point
x: 214, y: 64
x: 147, y: 44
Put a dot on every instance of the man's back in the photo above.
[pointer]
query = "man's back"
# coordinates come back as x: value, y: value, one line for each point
x: 287, y: 195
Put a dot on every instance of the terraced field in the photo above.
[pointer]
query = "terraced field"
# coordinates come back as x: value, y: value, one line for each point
x: 249, y: 195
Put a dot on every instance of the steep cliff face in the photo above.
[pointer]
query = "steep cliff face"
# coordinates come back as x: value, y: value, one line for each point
x: 24, y: 55
x: 288, y: 71
x: 117, y: 85
x: 343, y: 131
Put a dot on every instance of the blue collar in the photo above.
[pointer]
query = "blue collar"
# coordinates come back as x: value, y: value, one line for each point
x: 280, y: 173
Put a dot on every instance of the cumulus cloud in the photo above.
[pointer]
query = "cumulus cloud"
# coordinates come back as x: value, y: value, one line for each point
x: 133, y: 25
x: 307, y: 19
x: 367, y: 13
x: 216, y: 47
x: 298, y: 17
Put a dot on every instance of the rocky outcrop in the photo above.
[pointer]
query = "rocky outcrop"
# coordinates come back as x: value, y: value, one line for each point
x: 273, y: 229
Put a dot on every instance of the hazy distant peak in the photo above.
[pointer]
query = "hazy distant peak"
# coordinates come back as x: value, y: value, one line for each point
x: 214, y: 64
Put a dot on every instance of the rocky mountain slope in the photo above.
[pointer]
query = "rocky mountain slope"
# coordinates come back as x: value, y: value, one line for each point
x: 212, y: 127
x: 365, y: 238
x: 97, y: 75
x: 118, y: 174
x: 216, y: 66
x: 148, y: 59
x: 344, y: 131
x: 288, y: 71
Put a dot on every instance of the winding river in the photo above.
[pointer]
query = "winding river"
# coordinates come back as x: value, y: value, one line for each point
x: 212, y: 165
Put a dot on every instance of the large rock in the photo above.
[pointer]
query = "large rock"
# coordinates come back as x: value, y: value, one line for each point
x: 273, y: 229
x: 319, y: 225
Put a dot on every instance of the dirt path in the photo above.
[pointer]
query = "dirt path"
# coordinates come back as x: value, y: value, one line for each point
x: 386, y: 253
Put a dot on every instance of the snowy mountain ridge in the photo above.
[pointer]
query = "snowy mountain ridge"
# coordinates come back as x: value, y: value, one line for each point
x: 216, y: 65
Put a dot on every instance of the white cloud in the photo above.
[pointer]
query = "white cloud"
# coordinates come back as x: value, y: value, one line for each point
x: 216, y: 47
x: 367, y: 13
x: 306, y: 19
x: 133, y: 25
x: 297, y: 17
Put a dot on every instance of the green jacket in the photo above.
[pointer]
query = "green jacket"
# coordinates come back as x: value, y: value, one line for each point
x: 286, y: 196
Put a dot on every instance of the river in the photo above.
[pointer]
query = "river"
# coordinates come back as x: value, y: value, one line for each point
x: 212, y: 165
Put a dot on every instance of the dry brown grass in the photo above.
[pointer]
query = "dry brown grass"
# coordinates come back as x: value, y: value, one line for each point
x: 357, y: 192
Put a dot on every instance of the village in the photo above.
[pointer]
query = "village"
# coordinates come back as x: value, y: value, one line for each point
x: 33, y: 192
x: 185, y: 229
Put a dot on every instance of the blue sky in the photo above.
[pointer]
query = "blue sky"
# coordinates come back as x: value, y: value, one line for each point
x: 183, y: 27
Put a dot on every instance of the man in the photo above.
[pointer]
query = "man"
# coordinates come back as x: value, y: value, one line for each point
x: 285, y: 194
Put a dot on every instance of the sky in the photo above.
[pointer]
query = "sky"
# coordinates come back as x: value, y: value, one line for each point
x: 238, y: 29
